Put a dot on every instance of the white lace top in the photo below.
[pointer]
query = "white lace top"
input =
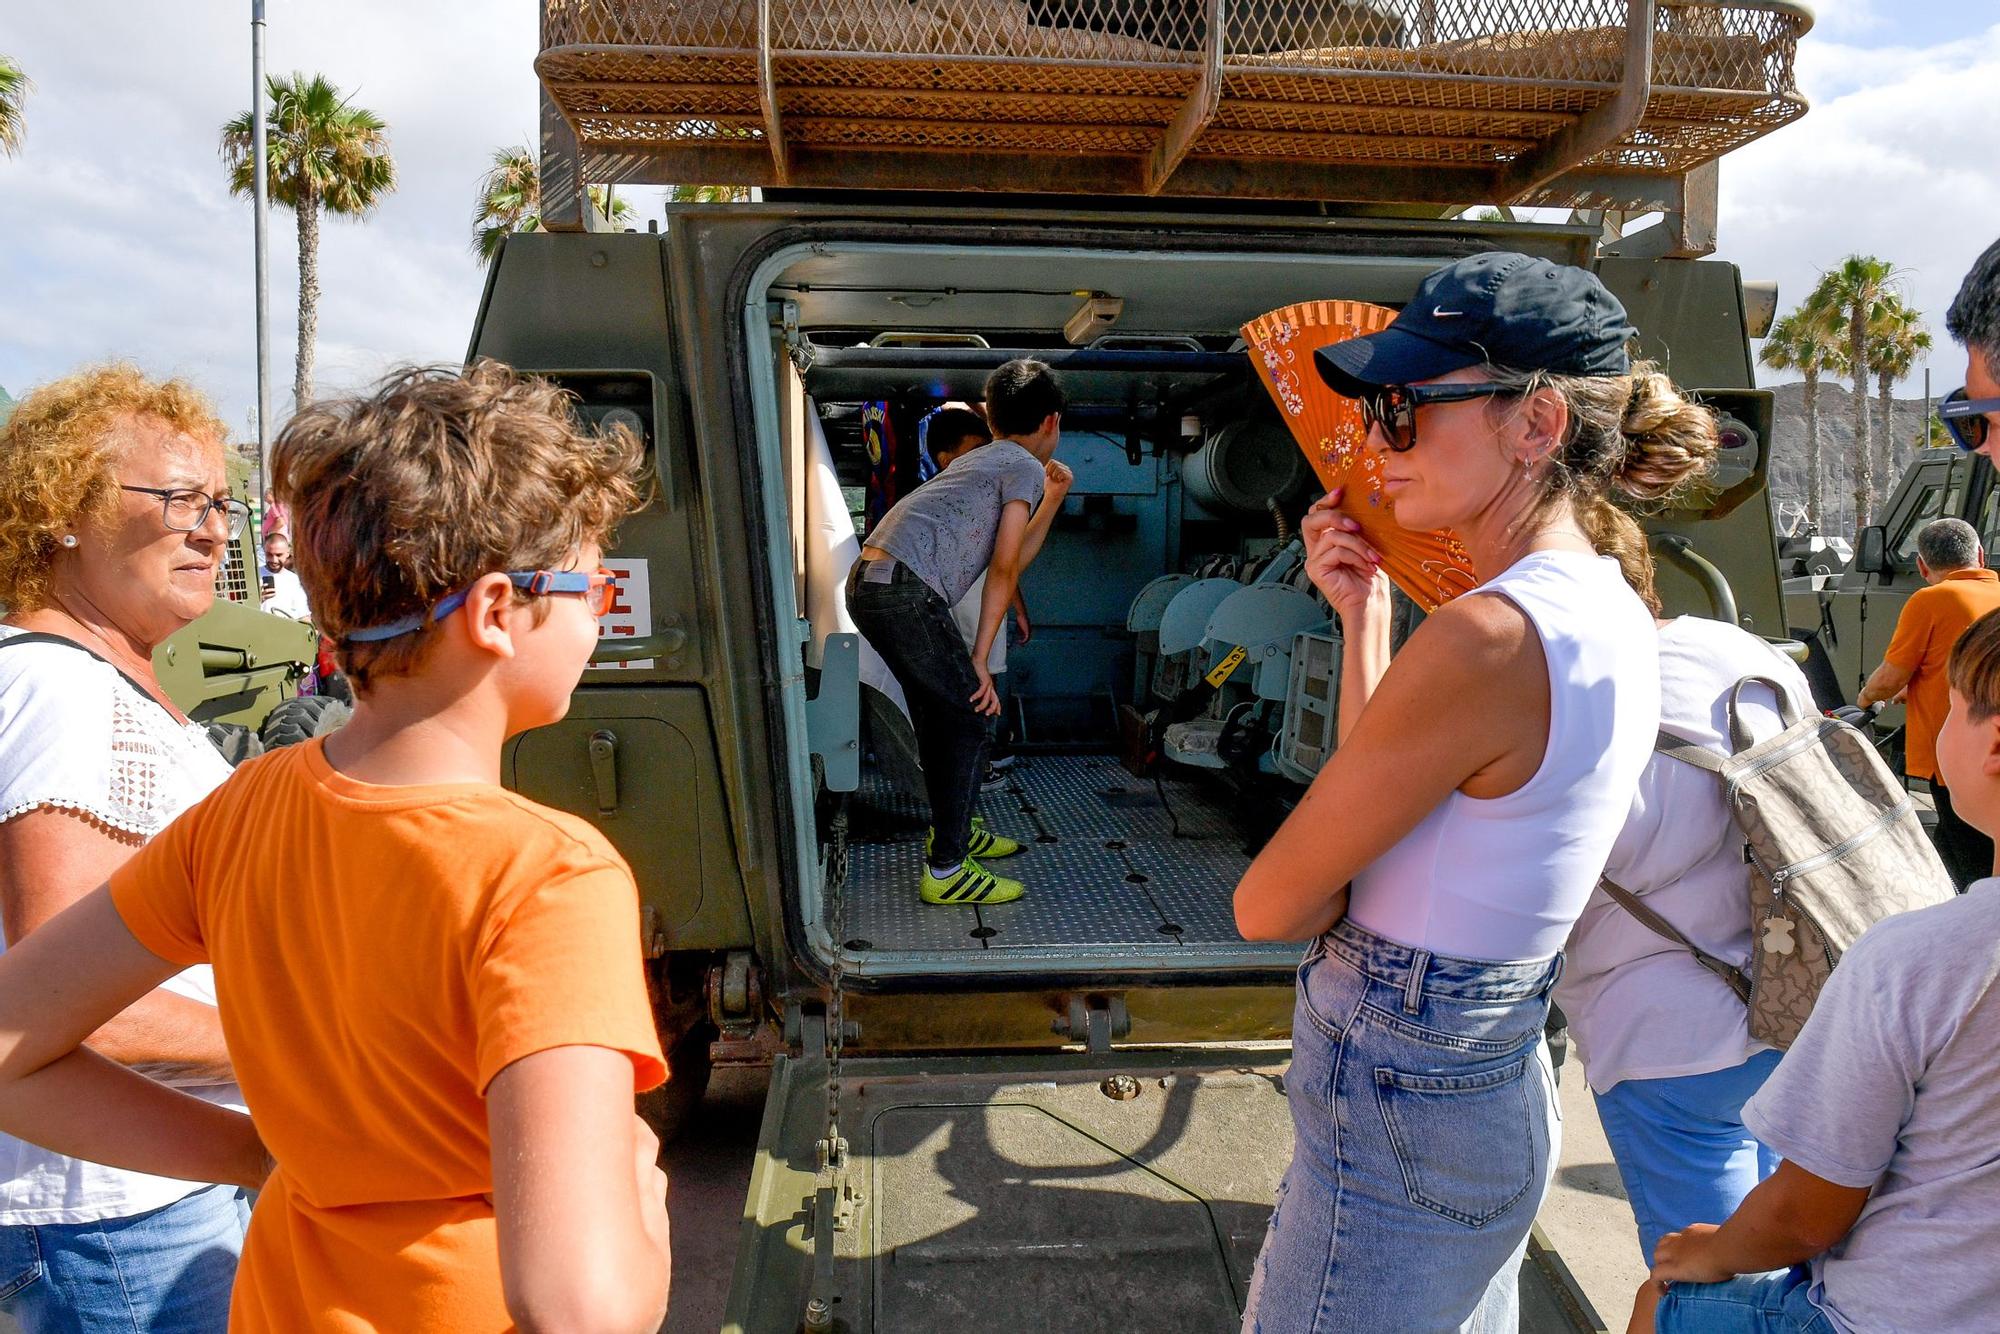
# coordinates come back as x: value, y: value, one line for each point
x: 77, y: 736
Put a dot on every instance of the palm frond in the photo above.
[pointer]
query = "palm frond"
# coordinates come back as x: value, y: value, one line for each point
x: 14, y: 86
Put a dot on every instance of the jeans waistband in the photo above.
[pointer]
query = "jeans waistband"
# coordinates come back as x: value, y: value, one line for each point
x: 1418, y: 971
x: 887, y: 570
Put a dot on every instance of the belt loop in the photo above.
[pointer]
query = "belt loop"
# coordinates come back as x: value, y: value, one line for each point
x: 1413, y: 988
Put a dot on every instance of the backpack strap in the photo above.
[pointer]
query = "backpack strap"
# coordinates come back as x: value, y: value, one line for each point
x: 42, y: 637
x: 1740, y: 739
x: 1732, y: 977
x: 1687, y: 752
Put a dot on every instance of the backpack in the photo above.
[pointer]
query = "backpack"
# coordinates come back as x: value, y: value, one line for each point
x: 1833, y: 845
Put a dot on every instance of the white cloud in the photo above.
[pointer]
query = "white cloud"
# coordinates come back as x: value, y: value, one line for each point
x: 1894, y: 160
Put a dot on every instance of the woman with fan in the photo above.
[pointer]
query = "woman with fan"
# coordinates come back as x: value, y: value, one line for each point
x: 1439, y: 859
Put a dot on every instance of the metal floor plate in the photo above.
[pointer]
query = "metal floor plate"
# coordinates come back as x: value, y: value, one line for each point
x: 1101, y: 861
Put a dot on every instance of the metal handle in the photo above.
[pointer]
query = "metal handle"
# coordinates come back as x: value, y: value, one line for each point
x: 604, y: 770
x: 662, y: 645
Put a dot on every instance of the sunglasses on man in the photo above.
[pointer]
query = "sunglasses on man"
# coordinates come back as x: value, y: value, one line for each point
x: 1966, y: 420
x: 1392, y: 409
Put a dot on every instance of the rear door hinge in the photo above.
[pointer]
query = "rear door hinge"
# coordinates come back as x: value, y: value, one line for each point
x: 1096, y: 1021
x: 736, y: 995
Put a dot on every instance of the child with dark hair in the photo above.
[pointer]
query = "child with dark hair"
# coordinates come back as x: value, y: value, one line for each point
x: 971, y: 520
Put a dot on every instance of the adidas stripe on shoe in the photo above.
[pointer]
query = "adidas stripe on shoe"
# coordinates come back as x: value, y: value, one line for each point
x: 970, y: 884
x: 980, y: 841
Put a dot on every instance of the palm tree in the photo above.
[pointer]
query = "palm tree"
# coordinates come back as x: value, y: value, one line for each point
x: 1895, y: 343
x: 1860, y: 289
x: 1808, y: 341
x: 14, y: 87
x: 708, y: 194
x: 322, y: 153
x: 510, y: 200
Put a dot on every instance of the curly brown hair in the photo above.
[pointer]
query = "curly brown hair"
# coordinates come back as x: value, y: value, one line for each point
x: 440, y: 476
x: 57, y: 458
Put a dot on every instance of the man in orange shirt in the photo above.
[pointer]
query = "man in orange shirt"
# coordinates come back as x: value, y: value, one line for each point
x: 1962, y: 589
x: 431, y: 988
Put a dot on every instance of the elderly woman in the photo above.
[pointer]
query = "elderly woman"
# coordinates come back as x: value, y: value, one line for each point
x: 1440, y: 857
x: 114, y: 517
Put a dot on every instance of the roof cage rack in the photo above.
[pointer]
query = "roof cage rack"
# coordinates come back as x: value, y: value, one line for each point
x: 1580, y: 103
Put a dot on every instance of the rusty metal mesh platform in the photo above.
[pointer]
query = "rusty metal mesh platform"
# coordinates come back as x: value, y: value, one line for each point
x: 879, y: 92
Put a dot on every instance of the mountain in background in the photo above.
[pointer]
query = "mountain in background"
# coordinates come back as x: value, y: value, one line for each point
x: 1836, y: 433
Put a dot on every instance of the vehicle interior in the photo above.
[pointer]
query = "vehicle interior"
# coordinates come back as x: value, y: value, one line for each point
x: 1151, y: 758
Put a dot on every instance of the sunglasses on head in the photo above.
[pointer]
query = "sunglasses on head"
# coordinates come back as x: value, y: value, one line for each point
x: 1392, y: 409
x: 1965, y: 419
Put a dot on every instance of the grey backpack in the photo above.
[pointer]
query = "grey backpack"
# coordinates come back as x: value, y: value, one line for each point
x: 1833, y: 846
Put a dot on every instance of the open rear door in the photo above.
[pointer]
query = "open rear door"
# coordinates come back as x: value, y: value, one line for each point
x: 1058, y: 1190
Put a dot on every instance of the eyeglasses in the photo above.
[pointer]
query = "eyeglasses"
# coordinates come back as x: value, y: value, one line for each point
x: 598, y: 588
x: 1393, y: 408
x: 185, y: 510
x: 1965, y: 419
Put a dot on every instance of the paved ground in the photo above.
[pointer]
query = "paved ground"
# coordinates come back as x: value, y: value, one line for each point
x: 1585, y: 1216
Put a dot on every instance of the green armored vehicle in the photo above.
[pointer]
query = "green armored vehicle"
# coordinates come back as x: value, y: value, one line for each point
x: 1065, y: 1112
x: 1846, y: 617
x: 238, y: 664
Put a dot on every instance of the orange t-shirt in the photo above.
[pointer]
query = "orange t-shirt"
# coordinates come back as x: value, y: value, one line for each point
x: 1931, y: 623
x: 380, y: 954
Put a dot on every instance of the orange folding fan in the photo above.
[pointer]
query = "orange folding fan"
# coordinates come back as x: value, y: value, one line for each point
x: 1432, y: 567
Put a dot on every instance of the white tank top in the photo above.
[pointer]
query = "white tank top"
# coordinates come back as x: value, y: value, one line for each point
x: 1504, y: 878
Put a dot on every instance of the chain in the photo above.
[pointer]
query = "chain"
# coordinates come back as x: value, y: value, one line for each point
x: 836, y: 1020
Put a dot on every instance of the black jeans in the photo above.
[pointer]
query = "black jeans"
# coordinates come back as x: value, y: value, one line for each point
x: 1967, y: 853
x: 911, y: 627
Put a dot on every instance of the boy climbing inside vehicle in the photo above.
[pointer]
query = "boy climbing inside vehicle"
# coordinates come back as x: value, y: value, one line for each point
x: 971, y: 519
x: 955, y: 431
x: 431, y: 988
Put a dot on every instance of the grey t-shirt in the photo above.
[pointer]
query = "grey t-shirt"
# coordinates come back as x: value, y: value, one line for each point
x: 1893, y: 1084
x: 944, y: 529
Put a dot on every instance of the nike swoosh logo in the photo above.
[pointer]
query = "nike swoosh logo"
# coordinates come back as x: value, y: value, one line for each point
x: 1440, y: 313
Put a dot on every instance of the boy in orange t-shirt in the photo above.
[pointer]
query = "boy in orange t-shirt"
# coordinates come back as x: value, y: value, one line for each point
x: 431, y: 987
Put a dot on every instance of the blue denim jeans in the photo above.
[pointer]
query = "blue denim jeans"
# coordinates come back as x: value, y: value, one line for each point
x: 1425, y: 1134
x: 166, y: 1271
x: 1682, y: 1148
x: 1775, y: 1303
x: 906, y: 622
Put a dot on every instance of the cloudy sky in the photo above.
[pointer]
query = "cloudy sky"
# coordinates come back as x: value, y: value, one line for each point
x: 119, y: 239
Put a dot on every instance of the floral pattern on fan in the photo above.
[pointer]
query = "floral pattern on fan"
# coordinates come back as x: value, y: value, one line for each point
x: 1431, y: 567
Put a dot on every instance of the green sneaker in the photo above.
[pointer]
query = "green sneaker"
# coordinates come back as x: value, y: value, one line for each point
x: 980, y: 842
x: 970, y: 884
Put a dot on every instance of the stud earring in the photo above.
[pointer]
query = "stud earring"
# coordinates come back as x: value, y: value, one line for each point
x: 69, y: 539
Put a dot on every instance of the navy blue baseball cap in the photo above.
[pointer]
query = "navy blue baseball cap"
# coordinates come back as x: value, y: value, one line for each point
x: 1509, y: 309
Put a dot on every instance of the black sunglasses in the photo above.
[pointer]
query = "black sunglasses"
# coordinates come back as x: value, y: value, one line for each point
x: 1965, y: 419
x: 1393, y: 407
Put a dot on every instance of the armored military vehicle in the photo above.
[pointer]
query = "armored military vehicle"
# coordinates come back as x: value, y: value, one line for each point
x: 1846, y: 617
x: 1066, y: 1112
x: 237, y: 664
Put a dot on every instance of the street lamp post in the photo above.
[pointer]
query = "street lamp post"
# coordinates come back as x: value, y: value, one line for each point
x: 260, y: 169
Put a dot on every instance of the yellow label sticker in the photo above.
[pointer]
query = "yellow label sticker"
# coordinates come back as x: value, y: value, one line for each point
x: 1220, y: 672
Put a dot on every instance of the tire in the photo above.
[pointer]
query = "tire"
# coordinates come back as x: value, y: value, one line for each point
x: 302, y: 718
x: 671, y: 1108
x: 236, y: 742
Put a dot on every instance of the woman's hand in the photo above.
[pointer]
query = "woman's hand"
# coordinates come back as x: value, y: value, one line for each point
x: 1687, y: 1257
x: 1342, y: 565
